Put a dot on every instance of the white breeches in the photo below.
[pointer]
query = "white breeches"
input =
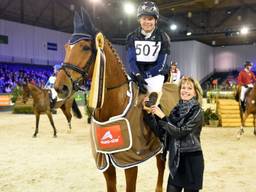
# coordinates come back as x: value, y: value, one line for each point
x: 54, y: 93
x: 155, y: 83
x: 243, y: 91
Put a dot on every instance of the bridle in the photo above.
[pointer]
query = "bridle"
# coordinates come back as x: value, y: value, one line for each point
x: 82, y: 71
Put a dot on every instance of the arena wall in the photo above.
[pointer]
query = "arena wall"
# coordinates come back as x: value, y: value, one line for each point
x: 30, y: 44
x: 233, y: 57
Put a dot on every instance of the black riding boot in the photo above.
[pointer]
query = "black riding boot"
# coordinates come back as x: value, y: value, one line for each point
x: 243, y: 105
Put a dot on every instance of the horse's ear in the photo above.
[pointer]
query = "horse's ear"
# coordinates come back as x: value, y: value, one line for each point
x: 83, y: 23
x: 99, y: 41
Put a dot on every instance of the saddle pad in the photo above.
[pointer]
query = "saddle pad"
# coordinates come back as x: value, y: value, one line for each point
x: 112, y: 136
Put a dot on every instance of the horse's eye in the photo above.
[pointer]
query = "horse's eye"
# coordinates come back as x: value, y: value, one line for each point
x: 86, y: 48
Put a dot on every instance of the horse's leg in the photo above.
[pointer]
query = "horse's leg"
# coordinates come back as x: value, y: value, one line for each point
x: 243, y: 119
x: 37, y: 124
x: 131, y: 178
x: 68, y: 115
x: 49, y: 114
x: 161, y: 167
x: 110, y: 177
x: 254, y: 115
x: 240, y: 132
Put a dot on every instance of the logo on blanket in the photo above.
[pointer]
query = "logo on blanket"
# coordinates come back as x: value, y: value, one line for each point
x: 109, y: 137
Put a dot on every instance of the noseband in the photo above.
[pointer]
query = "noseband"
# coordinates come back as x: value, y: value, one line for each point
x: 82, y: 71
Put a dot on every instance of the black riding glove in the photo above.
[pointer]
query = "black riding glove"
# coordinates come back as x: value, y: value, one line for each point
x: 246, y: 86
x: 141, y: 83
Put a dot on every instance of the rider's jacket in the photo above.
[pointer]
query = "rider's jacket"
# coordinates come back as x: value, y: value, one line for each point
x: 245, y: 78
x: 148, y: 56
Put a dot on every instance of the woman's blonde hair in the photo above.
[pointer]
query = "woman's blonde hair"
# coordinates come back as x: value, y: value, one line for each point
x: 196, y: 84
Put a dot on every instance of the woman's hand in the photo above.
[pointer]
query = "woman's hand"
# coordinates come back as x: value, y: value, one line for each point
x: 157, y: 111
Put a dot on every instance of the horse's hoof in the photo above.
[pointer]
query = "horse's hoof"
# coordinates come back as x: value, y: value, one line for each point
x: 34, y: 136
x: 238, y: 136
x: 55, y: 136
x: 254, y: 133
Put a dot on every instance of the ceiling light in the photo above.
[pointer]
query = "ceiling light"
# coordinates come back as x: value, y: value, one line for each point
x: 189, y: 33
x: 189, y: 14
x: 72, y: 7
x: 216, y: 2
x: 129, y: 8
x: 173, y: 27
x: 244, y: 30
x: 95, y: 1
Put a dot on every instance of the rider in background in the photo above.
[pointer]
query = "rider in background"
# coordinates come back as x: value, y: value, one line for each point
x: 148, y: 49
x: 245, y: 79
x: 174, y: 73
x: 50, y: 84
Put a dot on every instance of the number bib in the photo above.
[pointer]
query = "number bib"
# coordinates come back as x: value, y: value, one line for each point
x: 147, y: 51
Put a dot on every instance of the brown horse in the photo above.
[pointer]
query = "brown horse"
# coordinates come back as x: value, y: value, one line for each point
x: 115, y: 99
x: 78, y: 65
x: 41, y: 104
x: 250, y: 100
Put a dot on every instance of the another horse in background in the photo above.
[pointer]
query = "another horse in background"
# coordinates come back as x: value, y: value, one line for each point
x: 250, y: 108
x: 79, y: 64
x: 41, y: 105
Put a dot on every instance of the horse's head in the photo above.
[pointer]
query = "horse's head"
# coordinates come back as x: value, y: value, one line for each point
x: 25, y: 93
x: 77, y: 66
x: 79, y: 58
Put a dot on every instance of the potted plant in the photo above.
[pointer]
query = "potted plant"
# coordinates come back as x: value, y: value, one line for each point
x: 213, y: 119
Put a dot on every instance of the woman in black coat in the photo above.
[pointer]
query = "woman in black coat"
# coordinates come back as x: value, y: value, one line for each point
x: 180, y: 133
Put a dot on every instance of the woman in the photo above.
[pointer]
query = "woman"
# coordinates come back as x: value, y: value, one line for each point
x: 180, y: 132
x: 148, y: 49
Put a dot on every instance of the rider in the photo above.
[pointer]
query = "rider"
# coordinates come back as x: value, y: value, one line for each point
x: 50, y: 84
x: 174, y: 73
x: 148, y: 49
x: 245, y: 79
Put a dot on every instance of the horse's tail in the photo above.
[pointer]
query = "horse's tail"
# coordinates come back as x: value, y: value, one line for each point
x: 76, y: 110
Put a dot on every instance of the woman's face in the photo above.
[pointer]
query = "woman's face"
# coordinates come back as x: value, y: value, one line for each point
x: 187, y: 91
x: 173, y: 67
x: 147, y: 23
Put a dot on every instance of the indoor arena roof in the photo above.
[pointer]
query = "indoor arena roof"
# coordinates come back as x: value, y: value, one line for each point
x: 214, y: 22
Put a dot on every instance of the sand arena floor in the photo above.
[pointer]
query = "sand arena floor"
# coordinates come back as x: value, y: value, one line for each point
x: 65, y: 164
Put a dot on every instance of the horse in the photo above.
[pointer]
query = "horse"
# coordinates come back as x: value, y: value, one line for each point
x: 41, y: 104
x: 250, y: 108
x: 81, y: 55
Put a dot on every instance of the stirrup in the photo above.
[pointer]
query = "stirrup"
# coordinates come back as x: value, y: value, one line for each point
x: 153, y: 98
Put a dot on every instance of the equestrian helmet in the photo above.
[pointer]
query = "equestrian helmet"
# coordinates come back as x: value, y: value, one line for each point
x: 248, y: 63
x: 148, y: 8
x: 57, y: 67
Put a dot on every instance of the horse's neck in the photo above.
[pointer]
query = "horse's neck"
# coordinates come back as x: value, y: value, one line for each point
x: 35, y: 91
x: 115, y: 99
x: 115, y: 73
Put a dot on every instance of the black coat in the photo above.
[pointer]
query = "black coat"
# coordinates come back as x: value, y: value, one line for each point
x: 179, y: 135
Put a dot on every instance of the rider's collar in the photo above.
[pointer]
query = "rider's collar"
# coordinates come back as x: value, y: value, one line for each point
x: 247, y: 70
x: 147, y: 35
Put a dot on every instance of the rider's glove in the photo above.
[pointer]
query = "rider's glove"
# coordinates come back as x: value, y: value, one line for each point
x: 141, y: 83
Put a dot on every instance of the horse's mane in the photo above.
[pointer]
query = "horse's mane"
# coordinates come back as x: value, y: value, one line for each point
x: 116, y: 55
